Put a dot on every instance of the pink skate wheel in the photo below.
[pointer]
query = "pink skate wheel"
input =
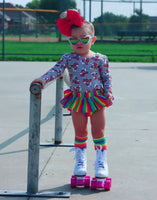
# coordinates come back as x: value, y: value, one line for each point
x: 87, y: 181
x: 73, y: 181
x: 79, y: 182
x: 107, y: 184
x: 100, y: 185
x: 93, y: 184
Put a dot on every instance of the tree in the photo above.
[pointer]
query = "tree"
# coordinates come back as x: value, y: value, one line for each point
x: 111, y: 24
x: 60, y: 5
x: 18, y: 6
x: 136, y: 19
x: 50, y: 5
x: 34, y: 4
x: 57, y: 4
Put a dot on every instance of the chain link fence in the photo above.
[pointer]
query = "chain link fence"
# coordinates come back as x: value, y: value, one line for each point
x: 42, y: 23
x: 29, y: 23
x: 40, y: 26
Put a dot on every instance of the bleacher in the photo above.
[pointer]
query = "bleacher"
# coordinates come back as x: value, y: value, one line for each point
x: 147, y: 35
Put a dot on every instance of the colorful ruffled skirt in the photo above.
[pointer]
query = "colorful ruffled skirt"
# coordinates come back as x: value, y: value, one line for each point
x: 86, y: 103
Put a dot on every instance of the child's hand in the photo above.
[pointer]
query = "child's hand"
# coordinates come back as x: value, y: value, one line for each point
x: 109, y: 100
x: 39, y: 80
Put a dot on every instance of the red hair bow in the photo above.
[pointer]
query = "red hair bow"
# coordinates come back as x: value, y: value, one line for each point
x: 65, y: 24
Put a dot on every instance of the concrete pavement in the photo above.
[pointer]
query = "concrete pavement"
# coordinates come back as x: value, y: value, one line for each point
x: 130, y: 130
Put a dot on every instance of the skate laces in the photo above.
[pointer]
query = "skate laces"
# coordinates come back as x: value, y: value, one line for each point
x: 99, y: 163
x: 79, y: 156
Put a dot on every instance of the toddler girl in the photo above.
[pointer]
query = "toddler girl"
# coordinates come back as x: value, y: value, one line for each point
x: 90, y: 90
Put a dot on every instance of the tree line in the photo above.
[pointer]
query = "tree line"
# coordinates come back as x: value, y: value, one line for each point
x: 110, y: 24
x: 107, y: 24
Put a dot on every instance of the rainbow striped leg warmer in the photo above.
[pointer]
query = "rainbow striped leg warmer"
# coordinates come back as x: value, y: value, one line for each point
x: 80, y: 142
x: 100, y: 143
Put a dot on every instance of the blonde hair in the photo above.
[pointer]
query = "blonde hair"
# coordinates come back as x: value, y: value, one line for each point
x: 64, y: 14
x: 90, y: 26
x: 87, y: 25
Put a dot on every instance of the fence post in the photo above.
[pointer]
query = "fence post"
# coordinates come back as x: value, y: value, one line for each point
x: 3, y: 32
x: 59, y: 111
x: 34, y: 141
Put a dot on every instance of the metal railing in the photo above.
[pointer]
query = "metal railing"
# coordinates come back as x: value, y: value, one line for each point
x: 34, y: 141
x: 34, y: 131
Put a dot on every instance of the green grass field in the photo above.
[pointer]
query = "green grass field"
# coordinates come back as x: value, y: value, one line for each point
x: 116, y: 52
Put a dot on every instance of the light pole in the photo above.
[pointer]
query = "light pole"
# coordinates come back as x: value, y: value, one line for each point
x: 90, y: 10
x: 141, y: 14
x: 3, y: 34
x: 84, y: 9
x: 101, y: 20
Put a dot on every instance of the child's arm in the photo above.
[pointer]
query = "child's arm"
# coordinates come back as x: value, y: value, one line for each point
x: 57, y: 70
x: 53, y: 73
x: 106, y: 79
x: 105, y: 75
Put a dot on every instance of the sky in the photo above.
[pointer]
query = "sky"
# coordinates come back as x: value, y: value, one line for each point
x: 119, y: 8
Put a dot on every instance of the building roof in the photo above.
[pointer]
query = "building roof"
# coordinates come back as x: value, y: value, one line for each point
x: 15, y: 15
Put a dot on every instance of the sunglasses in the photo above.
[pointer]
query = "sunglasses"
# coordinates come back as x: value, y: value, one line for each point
x: 84, y: 40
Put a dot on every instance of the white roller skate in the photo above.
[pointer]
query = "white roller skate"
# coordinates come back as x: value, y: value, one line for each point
x: 101, y: 181
x: 80, y: 179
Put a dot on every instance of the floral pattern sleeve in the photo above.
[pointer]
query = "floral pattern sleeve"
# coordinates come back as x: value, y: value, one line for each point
x: 105, y: 75
x: 56, y: 71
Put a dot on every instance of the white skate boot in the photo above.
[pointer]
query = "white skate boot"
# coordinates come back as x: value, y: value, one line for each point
x: 101, y: 167
x: 101, y: 180
x: 81, y: 162
x: 79, y: 179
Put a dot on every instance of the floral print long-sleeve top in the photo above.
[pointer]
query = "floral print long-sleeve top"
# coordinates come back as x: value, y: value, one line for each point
x: 86, y: 74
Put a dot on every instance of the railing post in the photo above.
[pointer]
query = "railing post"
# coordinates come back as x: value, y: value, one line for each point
x: 59, y: 111
x: 34, y: 140
x: 33, y: 151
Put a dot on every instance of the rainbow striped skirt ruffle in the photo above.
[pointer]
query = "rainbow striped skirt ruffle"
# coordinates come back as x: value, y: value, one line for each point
x: 86, y: 103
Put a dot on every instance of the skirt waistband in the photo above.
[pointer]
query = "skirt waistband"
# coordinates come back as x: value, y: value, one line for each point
x: 85, y: 94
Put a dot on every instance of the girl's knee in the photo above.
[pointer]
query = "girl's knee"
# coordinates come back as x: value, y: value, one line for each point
x: 80, y: 124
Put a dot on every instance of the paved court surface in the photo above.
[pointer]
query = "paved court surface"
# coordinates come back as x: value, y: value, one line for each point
x: 131, y: 134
